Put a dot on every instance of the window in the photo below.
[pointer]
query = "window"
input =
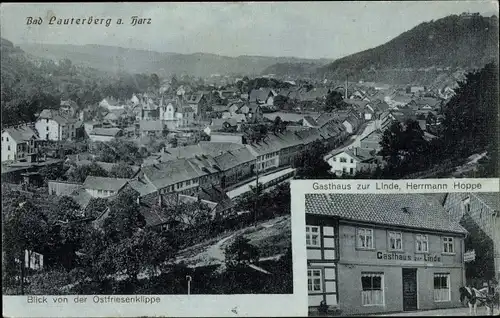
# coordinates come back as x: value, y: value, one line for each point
x: 314, y: 280
x: 372, y: 289
x: 351, y: 170
x: 442, y: 287
x: 312, y: 236
x: 465, y: 205
x: 99, y: 191
x: 448, y: 245
x: 47, y: 120
x: 422, y: 242
x: 47, y: 128
x: 365, y: 238
x: 8, y: 147
x: 395, y: 241
x: 352, y: 160
x: 343, y: 160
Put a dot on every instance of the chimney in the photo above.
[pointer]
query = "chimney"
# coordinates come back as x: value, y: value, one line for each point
x: 159, y: 200
x: 346, y: 84
x: 138, y: 200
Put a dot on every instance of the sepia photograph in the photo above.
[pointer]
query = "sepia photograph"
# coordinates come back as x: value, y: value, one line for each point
x: 148, y: 152
x: 370, y: 254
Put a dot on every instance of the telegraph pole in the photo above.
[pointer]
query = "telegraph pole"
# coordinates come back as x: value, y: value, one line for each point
x: 256, y: 196
x: 189, y: 278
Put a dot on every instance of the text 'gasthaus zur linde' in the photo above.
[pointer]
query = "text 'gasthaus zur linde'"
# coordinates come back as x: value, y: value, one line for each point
x: 445, y: 185
x: 91, y: 20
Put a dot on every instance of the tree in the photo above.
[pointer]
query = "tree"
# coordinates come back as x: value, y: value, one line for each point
x: 405, y: 149
x: 52, y: 172
x: 471, y: 116
x: 334, y: 100
x: 124, y: 216
x: 80, y: 173
x: 143, y: 252
x: 121, y: 170
x: 96, y: 207
x: 155, y: 82
x: 25, y: 228
x: 310, y: 164
x: 240, y: 253
x: 66, y: 210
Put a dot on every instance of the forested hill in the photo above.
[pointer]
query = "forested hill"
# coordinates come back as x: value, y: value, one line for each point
x: 112, y: 59
x: 454, y: 42
x: 29, y: 84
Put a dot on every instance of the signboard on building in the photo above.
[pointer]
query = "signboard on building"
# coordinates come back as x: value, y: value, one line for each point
x: 470, y: 256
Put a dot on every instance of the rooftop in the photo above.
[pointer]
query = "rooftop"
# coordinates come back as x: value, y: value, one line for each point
x: 104, y: 183
x: 384, y: 209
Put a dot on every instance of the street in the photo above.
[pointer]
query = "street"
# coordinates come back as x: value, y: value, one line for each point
x: 354, y: 140
x: 462, y: 311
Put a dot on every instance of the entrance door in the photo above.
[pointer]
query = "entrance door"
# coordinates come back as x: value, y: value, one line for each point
x: 409, y: 289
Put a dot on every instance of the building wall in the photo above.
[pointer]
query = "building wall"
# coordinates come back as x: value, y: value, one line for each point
x: 325, y: 259
x: 50, y: 127
x: 342, y: 263
x: 268, y: 161
x: 96, y: 193
x: 482, y: 214
x: 353, y: 261
x: 100, y: 138
x: 215, y: 137
x: 6, y: 145
x: 343, y: 167
x: 62, y: 188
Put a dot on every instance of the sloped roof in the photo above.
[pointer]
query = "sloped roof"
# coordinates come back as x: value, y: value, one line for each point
x: 310, y: 120
x: 490, y: 199
x: 384, y: 209
x: 260, y: 94
x: 151, y: 125
x: 170, y: 172
x: 112, y: 132
x: 232, y: 158
x: 21, y: 134
x: 104, y: 183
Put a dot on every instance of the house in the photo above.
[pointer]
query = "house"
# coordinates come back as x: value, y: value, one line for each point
x: 225, y: 206
x: 18, y: 142
x: 198, y: 102
x: 105, y: 134
x: 113, y: 116
x: 51, y: 125
x: 68, y: 108
x: 151, y: 128
x: 267, y: 153
x: 103, y: 187
x: 308, y: 121
x: 372, y: 141
x: 351, y: 123
x: 262, y: 96
x: 380, y: 253
x: 111, y: 103
x: 174, y: 115
x: 351, y: 161
x: 480, y: 210
x: 252, y: 111
x: 224, y: 125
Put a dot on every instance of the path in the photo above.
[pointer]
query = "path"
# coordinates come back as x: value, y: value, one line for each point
x: 354, y: 140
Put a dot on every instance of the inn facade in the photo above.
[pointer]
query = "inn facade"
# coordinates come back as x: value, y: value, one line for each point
x: 376, y: 253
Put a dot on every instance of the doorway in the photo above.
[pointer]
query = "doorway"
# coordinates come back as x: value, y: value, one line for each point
x: 410, y: 289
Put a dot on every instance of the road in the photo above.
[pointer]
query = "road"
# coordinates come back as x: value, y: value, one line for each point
x: 354, y: 140
x: 462, y: 311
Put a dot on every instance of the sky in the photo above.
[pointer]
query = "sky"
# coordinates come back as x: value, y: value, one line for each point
x: 300, y: 29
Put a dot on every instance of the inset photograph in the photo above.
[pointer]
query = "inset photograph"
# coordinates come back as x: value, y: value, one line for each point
x: 403, y: 253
